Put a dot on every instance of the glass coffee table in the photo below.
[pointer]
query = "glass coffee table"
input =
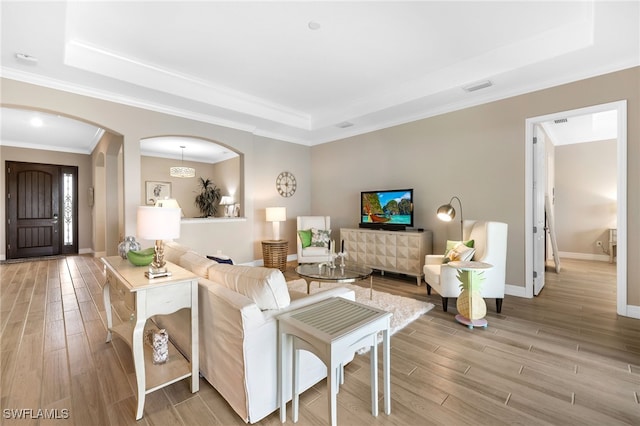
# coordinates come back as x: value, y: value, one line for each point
x: 348, y: 273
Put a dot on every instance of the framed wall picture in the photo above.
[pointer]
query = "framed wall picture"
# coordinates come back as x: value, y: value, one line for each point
x: 157, y: 190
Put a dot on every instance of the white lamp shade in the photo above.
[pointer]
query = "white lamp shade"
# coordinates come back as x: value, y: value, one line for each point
x: 276, y: 214
x: 158, y: 223
x: 226, y: 200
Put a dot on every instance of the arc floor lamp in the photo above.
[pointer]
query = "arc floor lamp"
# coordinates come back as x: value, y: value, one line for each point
x: 446, y: 212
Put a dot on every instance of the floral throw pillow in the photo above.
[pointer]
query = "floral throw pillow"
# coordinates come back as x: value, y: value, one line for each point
x: 320, y: 237
x: 458, y: 250
x: 460, y: 253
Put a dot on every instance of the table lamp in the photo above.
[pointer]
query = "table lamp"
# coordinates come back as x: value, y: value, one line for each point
x: 276, y: 215
x: 155, y: 223
x: 446, y: 212
x: 227, y: 201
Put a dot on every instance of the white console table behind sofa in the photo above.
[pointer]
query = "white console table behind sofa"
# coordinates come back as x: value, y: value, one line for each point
x: 401, y: 252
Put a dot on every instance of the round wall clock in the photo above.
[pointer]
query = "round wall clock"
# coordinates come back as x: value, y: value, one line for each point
x: 286, y: 184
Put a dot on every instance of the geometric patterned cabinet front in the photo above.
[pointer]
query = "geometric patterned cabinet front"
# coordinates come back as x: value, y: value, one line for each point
x: 401, y: 252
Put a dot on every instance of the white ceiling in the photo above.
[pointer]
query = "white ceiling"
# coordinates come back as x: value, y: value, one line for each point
x: 258, y: 66
x: 40, y: 130
x: 600, y: 126
x: 199, y: 150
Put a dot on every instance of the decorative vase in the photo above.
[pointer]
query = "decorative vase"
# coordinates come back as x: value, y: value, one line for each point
x: 128, y: 244
x: 158, y: 340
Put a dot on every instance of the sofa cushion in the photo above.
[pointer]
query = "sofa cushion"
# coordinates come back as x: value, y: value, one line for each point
x: 315, y: 251
x: 173, y: 251
x: 265, y: 286
x: 196, y: 263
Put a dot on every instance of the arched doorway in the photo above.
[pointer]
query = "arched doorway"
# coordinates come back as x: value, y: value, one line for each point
x: 48, y: 137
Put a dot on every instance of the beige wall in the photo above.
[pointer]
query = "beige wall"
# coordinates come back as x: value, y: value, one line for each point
x: 585, y: 197
x: 478, y: 154
x: 107, y: 161
x: 227, y: 175
x: 273, y: 157
x: 263, y: 160
x: 183, y: 190
x: 83, y: 162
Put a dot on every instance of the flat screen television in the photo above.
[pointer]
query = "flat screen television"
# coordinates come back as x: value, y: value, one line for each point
x: 387, y: 209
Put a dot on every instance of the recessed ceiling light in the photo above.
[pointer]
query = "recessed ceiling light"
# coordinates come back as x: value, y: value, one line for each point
x: 313, y: 25
x: 36, y: 122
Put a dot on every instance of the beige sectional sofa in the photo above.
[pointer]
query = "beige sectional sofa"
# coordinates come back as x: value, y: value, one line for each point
x: 238, y: 307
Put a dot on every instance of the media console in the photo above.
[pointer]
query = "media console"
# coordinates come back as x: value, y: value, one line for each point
x: 400, y: 252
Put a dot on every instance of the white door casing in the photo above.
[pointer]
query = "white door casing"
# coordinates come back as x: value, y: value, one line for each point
x: 539, y: 190
x: 621, y: 267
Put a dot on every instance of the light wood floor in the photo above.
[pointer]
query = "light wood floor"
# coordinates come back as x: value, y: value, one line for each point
x: 561, y: 358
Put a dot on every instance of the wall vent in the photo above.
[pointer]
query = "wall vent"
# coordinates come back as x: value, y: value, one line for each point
x: 477, y: 86
x: 560, y: 121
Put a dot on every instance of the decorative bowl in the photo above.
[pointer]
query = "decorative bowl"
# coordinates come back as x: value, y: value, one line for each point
x: 141, y: 257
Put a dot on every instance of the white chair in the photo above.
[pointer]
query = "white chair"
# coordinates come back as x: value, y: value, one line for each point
x: 312, y: 254
x: 490, y: 244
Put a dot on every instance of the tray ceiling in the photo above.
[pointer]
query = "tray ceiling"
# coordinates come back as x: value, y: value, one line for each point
x: 313, y: 72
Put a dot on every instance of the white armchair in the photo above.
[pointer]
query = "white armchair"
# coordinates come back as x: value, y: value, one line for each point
x: 490, y: 244
x: 312, y: 254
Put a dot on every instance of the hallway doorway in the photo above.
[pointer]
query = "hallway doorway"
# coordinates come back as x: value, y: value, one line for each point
x: 533, y: 181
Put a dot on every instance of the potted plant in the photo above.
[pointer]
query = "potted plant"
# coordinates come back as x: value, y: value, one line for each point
x: 208, y: 198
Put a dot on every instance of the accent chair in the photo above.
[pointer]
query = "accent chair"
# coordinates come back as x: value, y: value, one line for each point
x: 490, y: 245
x: 312, y: 251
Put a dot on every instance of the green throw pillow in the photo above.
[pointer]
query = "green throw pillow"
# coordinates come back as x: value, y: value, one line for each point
x: 305, y: 237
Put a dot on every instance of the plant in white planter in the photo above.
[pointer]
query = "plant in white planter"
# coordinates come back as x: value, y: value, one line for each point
x: 208, y: 198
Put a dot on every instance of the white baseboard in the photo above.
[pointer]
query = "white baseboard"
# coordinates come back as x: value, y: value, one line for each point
x: 633, y: 311
x: 3, y: 257
x: 515, y: 290
x: 260, y: 262
x: 85, y: 251
x: 583, y: 256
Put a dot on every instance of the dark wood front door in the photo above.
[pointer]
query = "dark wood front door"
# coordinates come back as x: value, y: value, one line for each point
x: 36, y: 210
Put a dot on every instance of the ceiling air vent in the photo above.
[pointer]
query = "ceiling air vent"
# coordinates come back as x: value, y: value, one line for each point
x: 478, y: 86
x: 560, y: 121
x: 26, y: 59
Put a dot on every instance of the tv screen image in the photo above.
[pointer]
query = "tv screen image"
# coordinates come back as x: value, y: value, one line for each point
x: 387, y: 208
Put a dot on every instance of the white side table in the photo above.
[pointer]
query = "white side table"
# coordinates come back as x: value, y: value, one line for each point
x: 471, y: 305
x: 158, y: 296
x: 332, y: 330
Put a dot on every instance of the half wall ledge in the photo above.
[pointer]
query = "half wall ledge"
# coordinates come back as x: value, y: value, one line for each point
x: 196, y: 220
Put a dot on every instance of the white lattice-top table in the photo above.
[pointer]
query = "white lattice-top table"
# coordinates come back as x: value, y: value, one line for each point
x: 332, y: 330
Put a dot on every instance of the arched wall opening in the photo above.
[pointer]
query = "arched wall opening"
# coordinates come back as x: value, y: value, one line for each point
x: 208, y: 158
